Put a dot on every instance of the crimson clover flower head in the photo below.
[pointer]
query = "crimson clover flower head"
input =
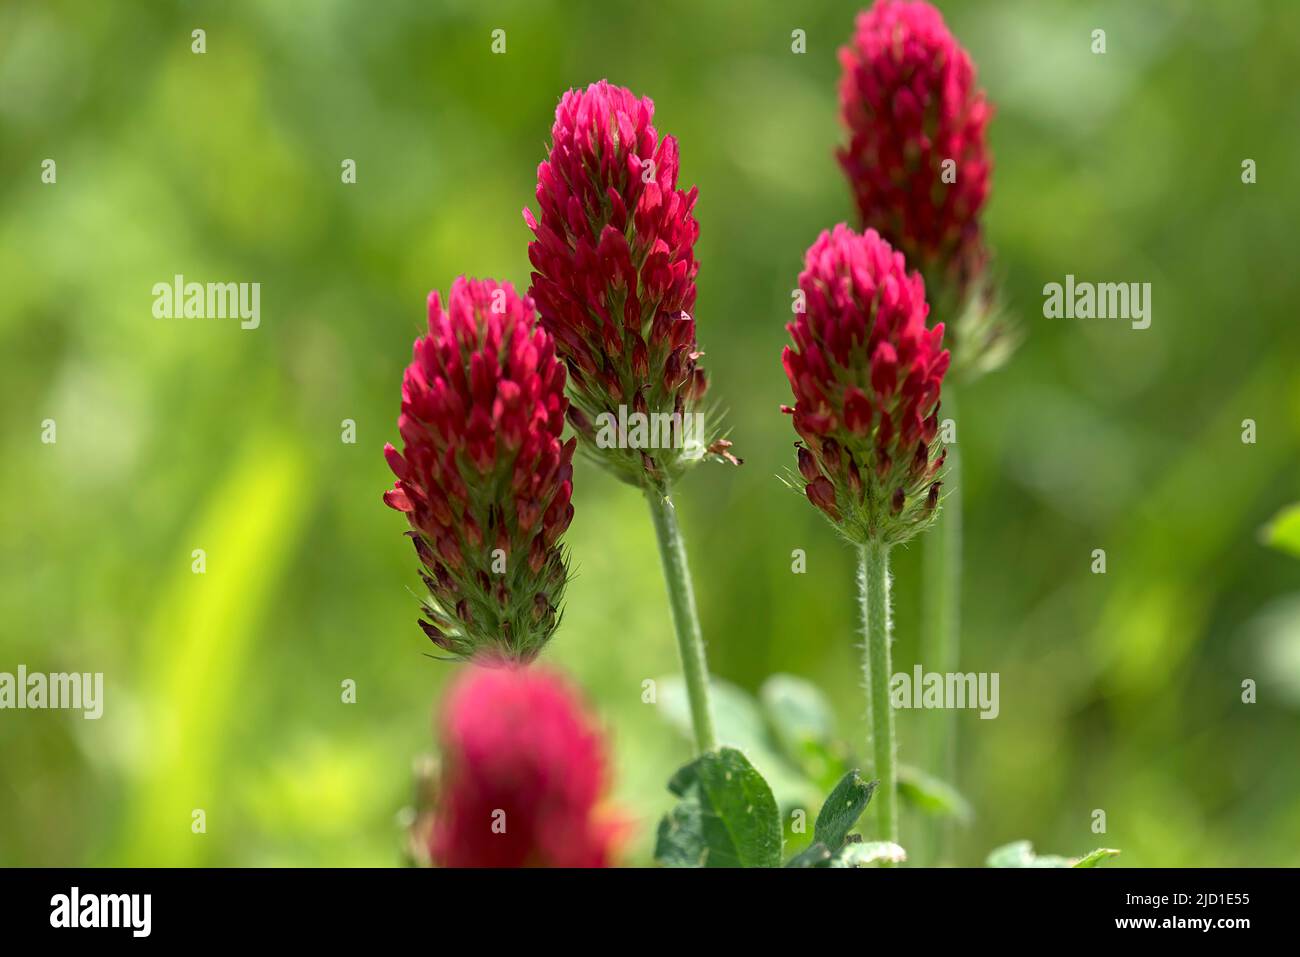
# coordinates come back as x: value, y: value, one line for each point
x: 483, y: 476
x: 909, y: 100
x: 614, y: 281
x: 919, y: 165
x: 866, y: 373
x: 524, y: 776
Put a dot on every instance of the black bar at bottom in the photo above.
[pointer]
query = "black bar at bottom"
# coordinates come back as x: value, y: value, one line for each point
x: 619, y: 907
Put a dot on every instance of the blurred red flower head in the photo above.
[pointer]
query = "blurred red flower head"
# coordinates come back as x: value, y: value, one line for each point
x: 524, y: 775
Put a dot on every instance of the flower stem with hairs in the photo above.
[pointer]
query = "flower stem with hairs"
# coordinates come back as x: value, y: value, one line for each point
x: 873, y: 588
x: 866, y: 373
x: 690, y: 643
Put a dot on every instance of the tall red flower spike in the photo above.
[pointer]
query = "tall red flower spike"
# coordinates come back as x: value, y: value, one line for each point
x: 614, y: 280
x: 483, y: 477
x: 524, y: 774
x: 866, y: 374
x: 909, y: 100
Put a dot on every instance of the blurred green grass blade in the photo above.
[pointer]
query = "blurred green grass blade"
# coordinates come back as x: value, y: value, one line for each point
x: 197, y: 652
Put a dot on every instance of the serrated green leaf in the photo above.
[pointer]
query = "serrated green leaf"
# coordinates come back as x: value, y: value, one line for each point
x: 1283, y: 532
x: 931, y: 795
x: 1021, y: 854
x: 842, y: 810
x: 727, y: 816
x: 738, y: 722
x: 860, y: 854
x: 1096, y: 858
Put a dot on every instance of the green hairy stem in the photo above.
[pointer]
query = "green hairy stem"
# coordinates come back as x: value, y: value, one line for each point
x: 873, y: 584
x: 686, y: 621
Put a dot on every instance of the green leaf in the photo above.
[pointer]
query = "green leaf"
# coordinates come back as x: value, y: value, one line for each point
x: 726, y: 816
x: 1096, y: 858
x: 860, y: 854
x: 1021, y: 854
x: 815, y: 855
x: 798, y: 712
x: 1015, y: 854
x: 824, y: 764
x: 932, y: 796
x: 739, y: 723
x: 803, y: 726
x: 1283, y: 532
x: 842, y: 810
x: 736, y: 715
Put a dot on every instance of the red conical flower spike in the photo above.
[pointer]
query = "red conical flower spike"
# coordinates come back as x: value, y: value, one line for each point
x: 483, y: 477
x: 524, y: 774
x: 919, y: 165
x: 909, y: 100
x: 614, y: 282
x: 866, y: 373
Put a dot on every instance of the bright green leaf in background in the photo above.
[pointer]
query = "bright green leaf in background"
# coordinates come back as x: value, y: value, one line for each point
x: 1283, y: 532
x: 929, y: 794
x: 803, y: 722
x: 798, y: 711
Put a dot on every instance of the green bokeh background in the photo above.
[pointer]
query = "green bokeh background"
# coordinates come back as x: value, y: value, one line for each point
x: 1120, y: 692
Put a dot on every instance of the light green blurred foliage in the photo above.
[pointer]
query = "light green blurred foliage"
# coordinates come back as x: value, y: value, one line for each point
x: 1120, y: 692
